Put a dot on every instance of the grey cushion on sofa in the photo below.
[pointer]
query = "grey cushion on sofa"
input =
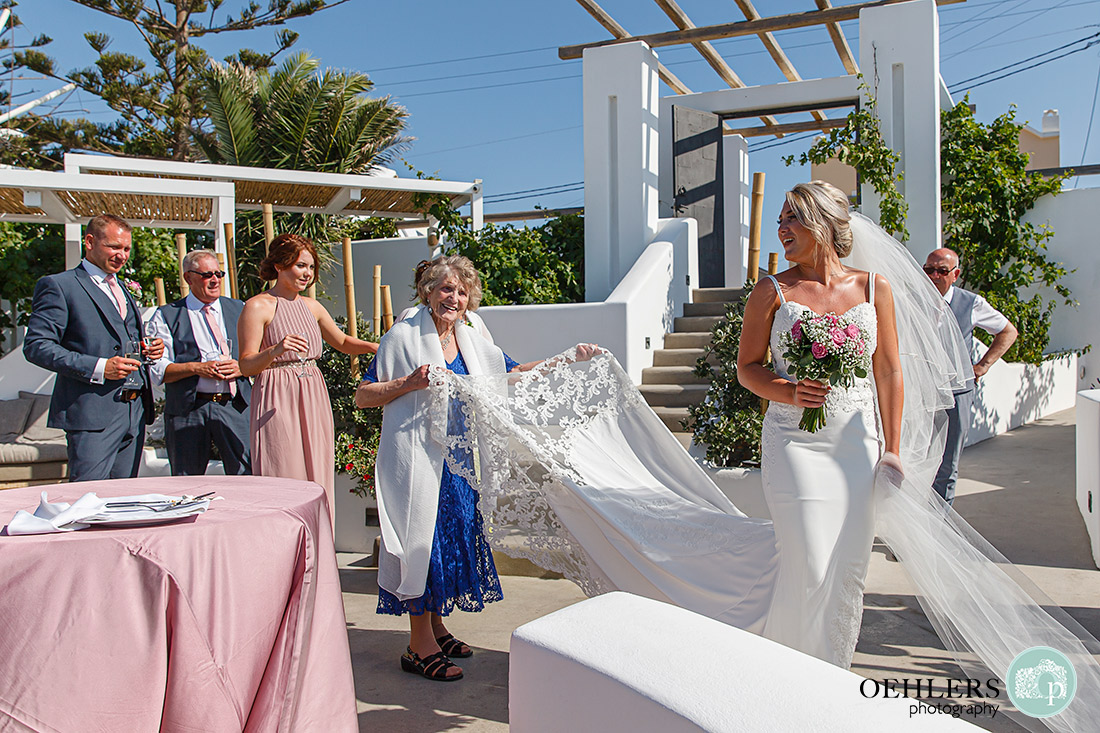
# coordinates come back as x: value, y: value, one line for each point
x: 36, y: 429
x: 13, y: 417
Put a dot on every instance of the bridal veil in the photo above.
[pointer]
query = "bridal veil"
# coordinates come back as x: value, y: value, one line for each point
x: 577, y: 474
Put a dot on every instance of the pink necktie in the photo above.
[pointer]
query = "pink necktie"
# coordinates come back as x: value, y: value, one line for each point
x: 220, y: 338
x: 116, y: 292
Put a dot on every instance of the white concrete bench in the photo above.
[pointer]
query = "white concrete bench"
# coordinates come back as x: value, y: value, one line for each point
x: 620, y: 662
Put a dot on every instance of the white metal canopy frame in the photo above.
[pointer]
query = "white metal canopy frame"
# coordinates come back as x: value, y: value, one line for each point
x: 304, y: 192
x: 72, y: 199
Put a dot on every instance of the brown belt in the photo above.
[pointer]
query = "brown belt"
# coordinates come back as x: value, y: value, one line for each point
x: 218, y: 398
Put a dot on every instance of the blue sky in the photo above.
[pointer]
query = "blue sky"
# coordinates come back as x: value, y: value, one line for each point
x: 488, y: 97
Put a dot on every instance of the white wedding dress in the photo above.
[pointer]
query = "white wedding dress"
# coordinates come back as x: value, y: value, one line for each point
x: 576, y: 473
x: 819, y: 487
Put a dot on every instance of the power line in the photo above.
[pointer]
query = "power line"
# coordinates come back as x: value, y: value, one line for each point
x: 535, y: 190
x: 1029, y: 68
x: 489, y: 86
x: 1088, y: 131
x: 1032, y: 15
x: 467, y: 58
x: 1024, y: 61
x: 499, y: 140
x: 537, y: 195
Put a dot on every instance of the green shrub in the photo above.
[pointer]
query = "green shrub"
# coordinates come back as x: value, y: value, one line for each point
x: 357, y: 431
x: 729, y: 420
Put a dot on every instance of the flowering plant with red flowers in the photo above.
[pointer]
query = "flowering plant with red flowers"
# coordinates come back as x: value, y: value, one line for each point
x: 830, y: 349
x: 357, y: 431
x: 355, y: 456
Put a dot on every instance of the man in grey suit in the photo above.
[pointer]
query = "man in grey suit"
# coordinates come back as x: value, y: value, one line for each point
x: 83, y: 324
x: 971, y: 311
x: 206, y: 397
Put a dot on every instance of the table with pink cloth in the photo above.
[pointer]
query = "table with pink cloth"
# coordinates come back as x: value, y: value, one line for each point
x: 228, y: 621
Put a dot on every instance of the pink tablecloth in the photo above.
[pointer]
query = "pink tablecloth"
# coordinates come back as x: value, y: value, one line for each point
x: 230, y: 622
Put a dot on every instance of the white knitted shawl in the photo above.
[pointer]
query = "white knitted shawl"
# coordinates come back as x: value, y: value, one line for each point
x: 410, y: 463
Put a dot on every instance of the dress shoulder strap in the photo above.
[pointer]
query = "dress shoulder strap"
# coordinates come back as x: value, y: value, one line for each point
x: 778, y: 289
x: 871, y: 288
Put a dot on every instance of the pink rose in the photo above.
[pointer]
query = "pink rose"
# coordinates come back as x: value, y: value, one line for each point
x: 796, y: 331
x: 819, y: 351
x: 837, y: 335
x: 852, y: 330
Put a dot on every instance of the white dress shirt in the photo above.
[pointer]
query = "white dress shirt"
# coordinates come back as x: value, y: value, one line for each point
x: 99, y: 277
x: 984, y: 316
x: 208, y: 347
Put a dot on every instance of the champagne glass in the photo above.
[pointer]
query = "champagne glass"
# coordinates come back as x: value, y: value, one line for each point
x: 303, y: 370
x: 133, y: 351
x: 147, y: 341
x: 227, y: 352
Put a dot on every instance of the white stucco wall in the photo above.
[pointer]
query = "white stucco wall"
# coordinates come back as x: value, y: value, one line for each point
x: 1076, y: 243
x: 1088, y: 466
x: 398, y: 257
x: 620, y: 162
x: 1010, y: 395
x: 641, y: 307
x: 900, y: 60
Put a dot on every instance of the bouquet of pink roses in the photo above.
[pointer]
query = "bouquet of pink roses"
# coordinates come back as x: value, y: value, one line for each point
x: 829, y: 349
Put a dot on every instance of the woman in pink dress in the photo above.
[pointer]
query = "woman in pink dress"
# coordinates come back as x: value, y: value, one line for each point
x: 280, y: 335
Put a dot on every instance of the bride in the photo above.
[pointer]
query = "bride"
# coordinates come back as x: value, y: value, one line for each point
x: 577, y: 474
x: 819, y: 485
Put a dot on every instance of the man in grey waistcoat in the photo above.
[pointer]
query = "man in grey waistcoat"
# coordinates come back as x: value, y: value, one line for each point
x: 971, y: 311
x: 86, y: 326
x: 206, y: 397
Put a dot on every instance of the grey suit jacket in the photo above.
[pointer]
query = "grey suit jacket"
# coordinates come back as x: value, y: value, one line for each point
x: 179, y: 396
x: 73, y: 324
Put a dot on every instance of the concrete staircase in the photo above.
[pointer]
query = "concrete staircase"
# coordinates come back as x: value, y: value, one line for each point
x: 670, y: 385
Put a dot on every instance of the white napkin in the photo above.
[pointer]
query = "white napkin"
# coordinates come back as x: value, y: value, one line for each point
x: 90, y: 510
x: 56, y: 517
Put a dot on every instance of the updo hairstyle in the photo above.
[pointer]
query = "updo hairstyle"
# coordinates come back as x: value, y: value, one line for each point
x: 822, y: 208
x: 439, y: 269
x: 283, y: 253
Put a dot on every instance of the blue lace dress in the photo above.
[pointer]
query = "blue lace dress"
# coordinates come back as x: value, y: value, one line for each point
x: 461, y: 572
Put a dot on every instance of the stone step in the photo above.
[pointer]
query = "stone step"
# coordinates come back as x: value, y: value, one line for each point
x: 694, y: 324
x: 672, y: 375
x: 673, y: 395
x: 685, y: 440
x: 698, y: 340
x: 680, y: 357
x: 672, y: 417
x: 715, y: 295
x: 705, y: 309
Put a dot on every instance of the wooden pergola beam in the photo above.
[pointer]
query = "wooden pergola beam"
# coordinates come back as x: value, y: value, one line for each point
x: 789, y: 127
x: 839, y: 41
x: 604, y: 18
x: 779, y: 56
x: 707, y: 51
x: 743, y: 28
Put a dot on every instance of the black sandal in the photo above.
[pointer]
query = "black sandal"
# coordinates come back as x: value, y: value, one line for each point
x: 454, y: 648
x: 433, y: 667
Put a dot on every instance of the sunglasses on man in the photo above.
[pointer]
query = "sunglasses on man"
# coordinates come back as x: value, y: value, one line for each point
x: 207, y: 275
x: 928, y: 269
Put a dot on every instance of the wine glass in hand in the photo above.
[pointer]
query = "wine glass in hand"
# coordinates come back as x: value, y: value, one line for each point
x: 303, y: 368
x: 147, y: 341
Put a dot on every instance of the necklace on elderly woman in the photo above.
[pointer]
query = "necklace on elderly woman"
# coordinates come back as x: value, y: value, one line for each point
x: 445, y: 342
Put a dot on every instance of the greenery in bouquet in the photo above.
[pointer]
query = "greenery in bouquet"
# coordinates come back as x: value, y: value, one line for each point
x: 830, y: 349
x: 357, y: 431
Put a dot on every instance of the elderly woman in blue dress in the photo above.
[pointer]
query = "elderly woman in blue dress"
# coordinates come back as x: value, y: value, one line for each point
x: 434, y: 556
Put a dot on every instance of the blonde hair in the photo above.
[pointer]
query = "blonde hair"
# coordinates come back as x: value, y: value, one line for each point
x: 440, y: 268
x: 822, y: 208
